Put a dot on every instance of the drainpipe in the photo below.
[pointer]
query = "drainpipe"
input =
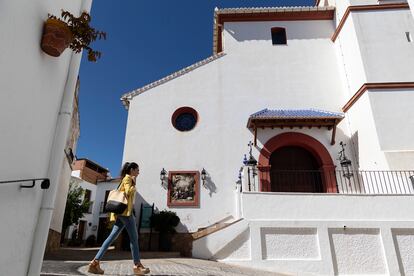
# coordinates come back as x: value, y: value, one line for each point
x: 55, y: 162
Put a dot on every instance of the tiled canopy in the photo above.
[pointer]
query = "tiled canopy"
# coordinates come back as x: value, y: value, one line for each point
x: 290, y: 118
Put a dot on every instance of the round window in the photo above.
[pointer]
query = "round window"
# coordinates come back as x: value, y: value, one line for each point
x: 184, y: 118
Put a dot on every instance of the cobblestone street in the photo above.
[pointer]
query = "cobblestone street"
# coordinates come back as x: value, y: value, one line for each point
x: 159, y: 267
x: 75, y: 262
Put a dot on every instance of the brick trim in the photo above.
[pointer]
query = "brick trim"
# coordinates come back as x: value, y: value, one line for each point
x: 379, y: 85
x: 365, y: 8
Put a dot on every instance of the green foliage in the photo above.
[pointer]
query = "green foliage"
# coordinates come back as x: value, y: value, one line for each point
x: 83, y: 33
x: 165, y: 221
x: 75, y: 206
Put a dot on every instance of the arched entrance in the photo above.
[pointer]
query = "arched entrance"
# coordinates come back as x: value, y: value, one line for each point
x: 297, y: 145
x: 294, y: 169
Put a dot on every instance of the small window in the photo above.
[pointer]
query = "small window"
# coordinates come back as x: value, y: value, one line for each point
x: 184, y: 119
x: 279, y: 36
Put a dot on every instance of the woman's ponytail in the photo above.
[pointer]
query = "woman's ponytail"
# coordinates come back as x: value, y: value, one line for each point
x: 127, y: 167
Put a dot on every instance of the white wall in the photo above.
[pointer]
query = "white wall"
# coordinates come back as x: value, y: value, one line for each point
x: 387, y: 55
x: 225, y: 93
x: 90, y: 218
x: 392, y: 114
x: 317, y: 234
x: 61, y: 196
x: 379, y: 121
x: 411, y: 3
x: 350, y: 58
x: 261, y: 206
x: 31, y: 85
x: 325, y: 247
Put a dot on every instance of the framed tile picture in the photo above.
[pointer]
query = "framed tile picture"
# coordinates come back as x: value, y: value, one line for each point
x: 183, y: 189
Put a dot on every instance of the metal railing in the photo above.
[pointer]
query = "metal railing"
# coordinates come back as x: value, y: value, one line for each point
x: 45, y: 184
x: 375, y: 182
x: 346, y: 181
x: 301, y: 181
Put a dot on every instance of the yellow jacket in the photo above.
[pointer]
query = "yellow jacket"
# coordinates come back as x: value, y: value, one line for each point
x: 128, y: 187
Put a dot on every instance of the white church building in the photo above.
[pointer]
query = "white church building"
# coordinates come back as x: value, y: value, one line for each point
x: 324, y: 97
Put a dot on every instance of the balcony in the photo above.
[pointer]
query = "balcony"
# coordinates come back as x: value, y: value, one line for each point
x: 345, y: 181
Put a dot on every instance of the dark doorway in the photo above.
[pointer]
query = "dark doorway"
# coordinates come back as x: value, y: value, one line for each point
x: 294, y: 169
x: 81, y: 229
x: 103, y: 230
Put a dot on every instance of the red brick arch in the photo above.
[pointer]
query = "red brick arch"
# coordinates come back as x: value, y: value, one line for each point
x: 307, y: 142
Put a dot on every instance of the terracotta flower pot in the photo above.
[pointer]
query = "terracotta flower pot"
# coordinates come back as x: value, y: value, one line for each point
x: 56, y: 37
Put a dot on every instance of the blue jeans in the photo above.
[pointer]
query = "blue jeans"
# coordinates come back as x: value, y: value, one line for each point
x: 131, y: 227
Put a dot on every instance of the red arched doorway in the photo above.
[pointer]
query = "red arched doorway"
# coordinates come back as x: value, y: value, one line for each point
x: 297, y: 145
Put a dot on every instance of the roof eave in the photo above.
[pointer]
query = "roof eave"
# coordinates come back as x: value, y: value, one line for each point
x: 127, y: 97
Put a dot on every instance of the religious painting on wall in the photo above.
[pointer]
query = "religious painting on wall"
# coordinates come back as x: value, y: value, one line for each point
x: 183, y: 189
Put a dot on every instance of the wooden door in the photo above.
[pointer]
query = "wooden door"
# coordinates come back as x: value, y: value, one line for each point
x: 294, y: 169
x: 81, y: 229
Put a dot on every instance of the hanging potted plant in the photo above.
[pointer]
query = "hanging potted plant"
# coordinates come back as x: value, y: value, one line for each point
x: 165, y: 222
x: 70, y: 31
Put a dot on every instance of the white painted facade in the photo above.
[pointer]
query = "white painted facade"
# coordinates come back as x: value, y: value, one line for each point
x: 96, y: 210
x: 224, y: 105
x: 92, y: 217
x: 293, y: 233
x: 36, y: 102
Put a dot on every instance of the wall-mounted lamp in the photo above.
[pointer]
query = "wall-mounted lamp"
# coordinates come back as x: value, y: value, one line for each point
x: 346, y: 164
x: 203, y: 177
x: 252, y: 161
x: 163, y: 176
x: 245, y: 160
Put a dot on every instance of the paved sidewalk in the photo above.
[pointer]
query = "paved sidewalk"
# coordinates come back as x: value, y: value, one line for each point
x: 159, y: 267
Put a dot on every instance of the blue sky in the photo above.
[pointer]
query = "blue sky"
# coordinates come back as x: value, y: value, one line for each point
x: 146, y: 40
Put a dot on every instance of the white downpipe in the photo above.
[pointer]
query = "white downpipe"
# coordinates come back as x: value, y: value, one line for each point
x: 55, y: 162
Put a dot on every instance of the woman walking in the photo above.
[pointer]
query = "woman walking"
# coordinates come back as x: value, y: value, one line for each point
x: 126, y: 220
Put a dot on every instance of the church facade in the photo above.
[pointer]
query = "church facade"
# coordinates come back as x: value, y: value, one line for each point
x: 291, y: 146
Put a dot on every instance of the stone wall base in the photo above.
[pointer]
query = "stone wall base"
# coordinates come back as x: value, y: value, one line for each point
x: 53, y: 241
x: 181, y: 242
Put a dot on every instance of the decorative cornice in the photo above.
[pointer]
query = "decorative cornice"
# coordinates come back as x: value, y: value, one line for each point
x: 265, y: 14
x: 379, y: 85
x: 350, y: 9
x: 128, y: 96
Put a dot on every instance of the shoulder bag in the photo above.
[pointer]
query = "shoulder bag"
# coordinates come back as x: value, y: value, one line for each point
x: 117, y: 201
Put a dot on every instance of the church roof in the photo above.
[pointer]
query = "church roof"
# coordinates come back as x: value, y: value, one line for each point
x: 128, y: 96
x: 296, y: 114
